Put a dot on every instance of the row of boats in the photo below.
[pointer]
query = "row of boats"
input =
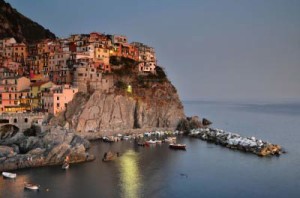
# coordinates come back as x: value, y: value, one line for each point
x: 28, y: 186
x: 141, y: 142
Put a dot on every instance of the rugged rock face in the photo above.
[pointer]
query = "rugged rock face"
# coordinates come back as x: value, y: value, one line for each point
x: 159, y: 108
x: 49, y: 148
x: 14, y: 24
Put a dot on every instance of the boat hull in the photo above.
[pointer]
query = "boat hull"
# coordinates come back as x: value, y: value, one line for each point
x: 178, y: 146
x: 9, y: 175
x: 65, y: 166
x: 31, y: 186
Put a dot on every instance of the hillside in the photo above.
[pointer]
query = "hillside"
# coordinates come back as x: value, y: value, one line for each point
x: 152, y: 102
x: 14, y: 24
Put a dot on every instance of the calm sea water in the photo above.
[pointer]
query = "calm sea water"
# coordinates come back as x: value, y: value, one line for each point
x: 204, y: 170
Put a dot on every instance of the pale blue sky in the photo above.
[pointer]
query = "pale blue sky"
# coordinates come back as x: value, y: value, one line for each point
x: 211, y: 49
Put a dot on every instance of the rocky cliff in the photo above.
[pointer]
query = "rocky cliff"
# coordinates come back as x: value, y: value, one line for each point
x: 160, y: 108
x: 23, y: 150
x: 152, y: 103
x: 14, y: 24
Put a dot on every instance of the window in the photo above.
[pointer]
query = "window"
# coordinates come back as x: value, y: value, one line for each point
x: 26, y: 120
x: 57, y: 105
x: 57, y: 97
x: 15, y: 120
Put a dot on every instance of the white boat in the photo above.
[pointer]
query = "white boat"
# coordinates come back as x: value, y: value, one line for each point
x: 151, y: 142
x: 65, y: 166
x: 158, y: 141
x: 31, y: 186
x: 170, y: 139
x: 9, y: 175
x: 126, y: 137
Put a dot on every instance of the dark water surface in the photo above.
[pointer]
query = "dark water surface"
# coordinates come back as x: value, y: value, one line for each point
x: 204, y: 170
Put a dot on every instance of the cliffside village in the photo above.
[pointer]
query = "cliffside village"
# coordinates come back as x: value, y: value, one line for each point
x: 45, y: 76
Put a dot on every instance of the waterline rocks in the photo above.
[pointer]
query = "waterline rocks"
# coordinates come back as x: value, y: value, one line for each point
x: 235, y: 141
x: 49, y: 148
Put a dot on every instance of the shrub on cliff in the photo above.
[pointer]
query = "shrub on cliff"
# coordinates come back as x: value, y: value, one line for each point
x: 121, y: 85
x: 160, y: 73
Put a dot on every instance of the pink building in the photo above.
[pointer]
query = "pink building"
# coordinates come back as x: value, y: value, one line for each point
x: 56, y: 99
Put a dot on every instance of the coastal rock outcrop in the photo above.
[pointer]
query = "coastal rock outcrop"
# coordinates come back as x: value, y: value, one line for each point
x: 158, y: 108
x: 189, y: 123
x: 51, y: 148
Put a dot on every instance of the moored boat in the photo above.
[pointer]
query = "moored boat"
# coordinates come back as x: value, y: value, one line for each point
x: 158, y: 141
x: 178, y: 146
x: 9, y: 175
x: 65, y: 166
x: 151, y: 141
x: 141, y: 143
x: 108, y: 139
x: 170, y: 139
x: 31, y: 186
x: 126, y: 137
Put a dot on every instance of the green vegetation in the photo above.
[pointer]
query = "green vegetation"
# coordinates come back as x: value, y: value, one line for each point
x: 126, y: 66
x: 121, y: 85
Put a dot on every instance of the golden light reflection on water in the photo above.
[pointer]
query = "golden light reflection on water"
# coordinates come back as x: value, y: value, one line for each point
x: 130, y: 175
x: 13, y: 186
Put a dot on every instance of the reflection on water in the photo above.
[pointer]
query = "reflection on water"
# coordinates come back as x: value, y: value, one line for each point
x: 130, y: 175
x: 13, y: 185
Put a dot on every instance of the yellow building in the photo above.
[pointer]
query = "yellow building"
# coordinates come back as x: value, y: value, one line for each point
x: 102, y: 54
x: 36, y: 90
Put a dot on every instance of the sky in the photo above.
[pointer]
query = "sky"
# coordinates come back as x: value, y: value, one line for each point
x: 210, y: 49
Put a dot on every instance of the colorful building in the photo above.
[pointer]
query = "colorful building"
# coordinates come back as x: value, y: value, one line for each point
x: 56, y: 99
x: 14, y: 94
x: 36, y: 90
x: 147, y: 58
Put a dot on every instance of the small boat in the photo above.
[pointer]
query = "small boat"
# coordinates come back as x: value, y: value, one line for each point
x: 107, y: 139
x: 126, y: 137
x: 178, y: 146
x: 141, y: 143
x: 9, y: 175
x: 151, y: 142
x: 65, y: 166
x: 158, y: 141
x: 31, y: 186
x: 170, y: 139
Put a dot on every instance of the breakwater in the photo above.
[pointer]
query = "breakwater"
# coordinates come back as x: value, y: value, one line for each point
x: 236, y: 141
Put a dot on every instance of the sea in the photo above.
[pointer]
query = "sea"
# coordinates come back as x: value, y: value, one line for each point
x: 203, y: 170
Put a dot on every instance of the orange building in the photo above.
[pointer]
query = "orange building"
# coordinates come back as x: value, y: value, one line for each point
x: 125, y: 50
